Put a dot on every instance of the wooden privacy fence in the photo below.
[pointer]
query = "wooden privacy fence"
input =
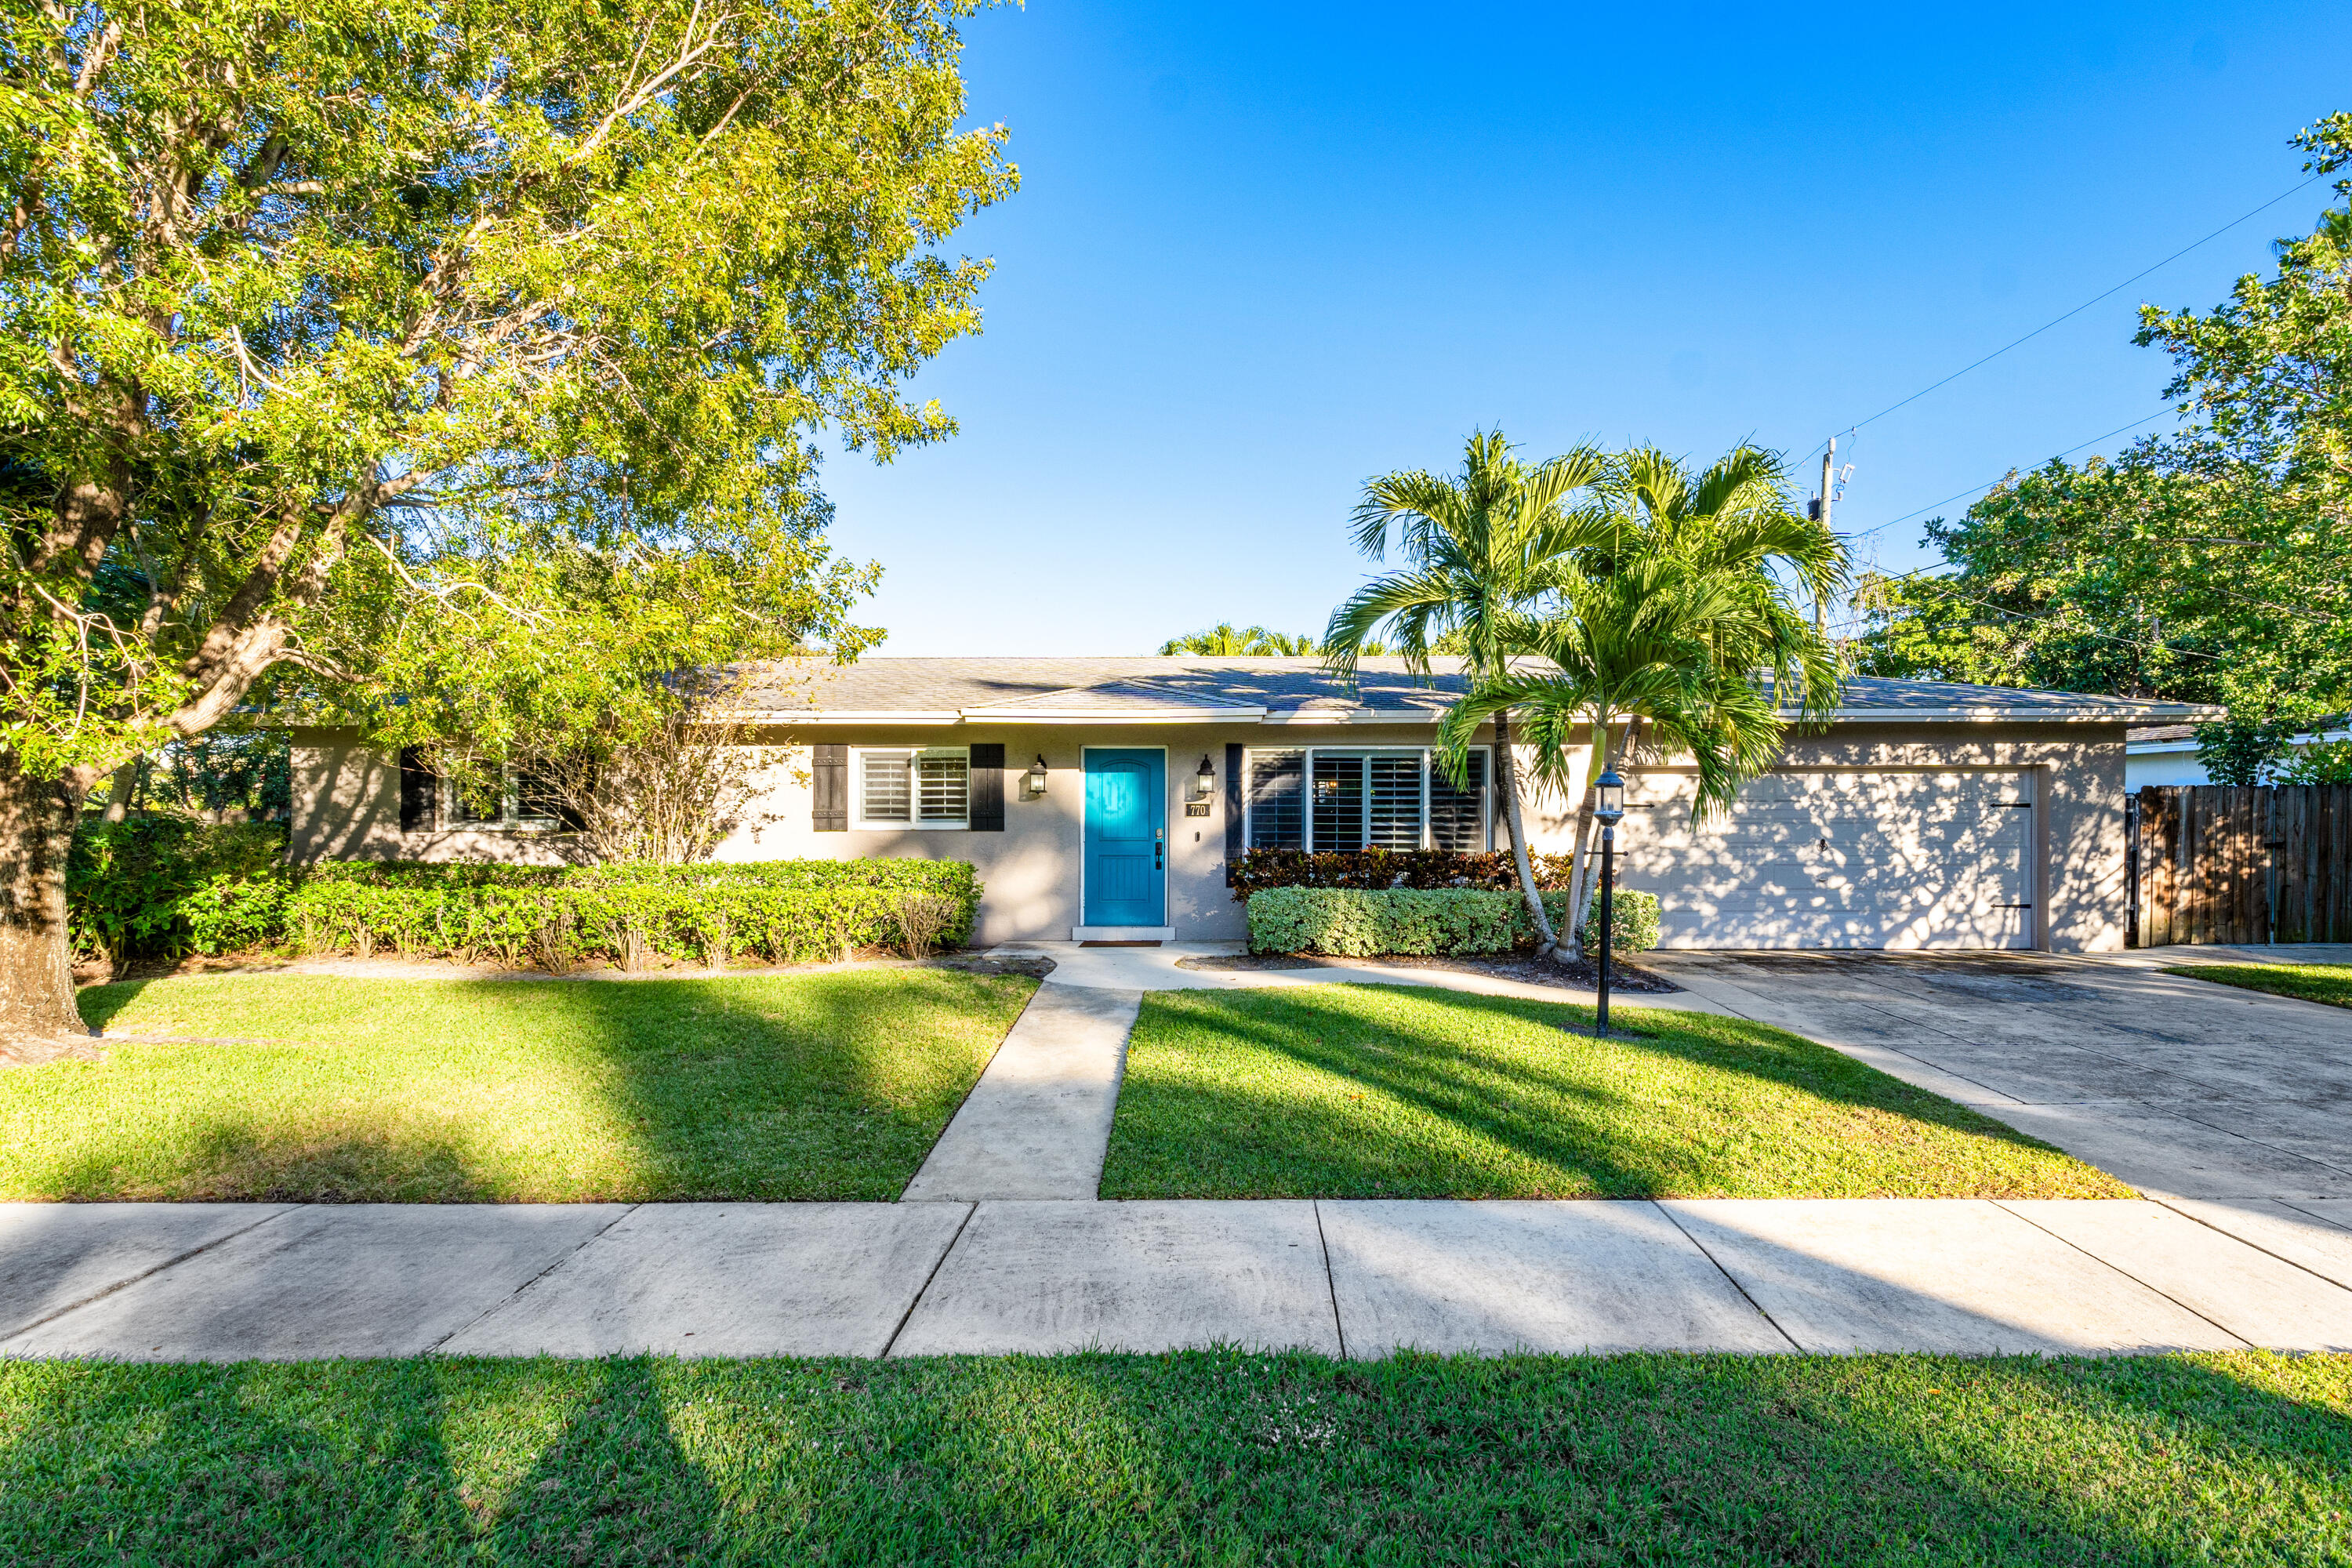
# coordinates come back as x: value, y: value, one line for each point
x: 2208, y: 863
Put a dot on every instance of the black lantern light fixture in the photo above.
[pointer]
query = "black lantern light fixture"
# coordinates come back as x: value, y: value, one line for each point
x: 1204, y: 783
x: 1033, y: 781
x: 1608, y: 809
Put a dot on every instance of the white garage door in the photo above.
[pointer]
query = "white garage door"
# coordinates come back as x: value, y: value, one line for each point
x: 1838, y: 859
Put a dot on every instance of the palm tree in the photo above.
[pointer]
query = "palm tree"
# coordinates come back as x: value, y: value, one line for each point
x: 1684, y: 621
x: 1220, y: 641
x: 1223, y: 641
x: 1484, y: 550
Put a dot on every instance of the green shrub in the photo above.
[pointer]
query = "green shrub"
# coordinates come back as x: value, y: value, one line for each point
x: 1634, y: 925
x: 165, y: 885
x: 786, y: 911
x: 1354, y: 923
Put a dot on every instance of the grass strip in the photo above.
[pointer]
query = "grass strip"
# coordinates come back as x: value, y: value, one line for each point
x: 1208, y: 1456
x: 2329, y: 982
x: 1404, y: 1092
x: 830, y: 1086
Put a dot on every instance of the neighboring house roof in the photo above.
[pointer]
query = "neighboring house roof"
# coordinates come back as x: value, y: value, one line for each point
x: 1177, y: 690
x: 2154, y: 738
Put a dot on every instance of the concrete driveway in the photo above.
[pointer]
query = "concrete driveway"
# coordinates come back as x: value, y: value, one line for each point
x: 2183, y: 1087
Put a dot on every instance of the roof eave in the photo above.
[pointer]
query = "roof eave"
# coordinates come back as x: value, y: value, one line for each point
x: 2179, y: 712
x: 1115, y: 715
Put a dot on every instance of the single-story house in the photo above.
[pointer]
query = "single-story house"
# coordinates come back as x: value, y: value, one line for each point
x: 1102, y: 798
x: 2166, y: 753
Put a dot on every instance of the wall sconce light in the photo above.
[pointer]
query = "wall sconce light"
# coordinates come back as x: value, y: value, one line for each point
x: 1033, y: 781
x: 1204, y: 783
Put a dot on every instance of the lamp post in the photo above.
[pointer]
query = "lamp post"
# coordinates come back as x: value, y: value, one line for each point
x: 1609, y: 809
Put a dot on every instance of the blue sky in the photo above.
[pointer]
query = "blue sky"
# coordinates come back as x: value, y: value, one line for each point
x: 1264, y: 252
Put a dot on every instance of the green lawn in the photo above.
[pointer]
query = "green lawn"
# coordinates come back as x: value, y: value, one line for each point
x: 2312, y: 982
x: 831, y: 1086
x: 1211, y: 1457
x: 1401, y: 1091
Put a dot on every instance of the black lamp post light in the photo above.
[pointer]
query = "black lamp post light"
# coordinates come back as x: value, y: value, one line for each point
x: 1609, y: 809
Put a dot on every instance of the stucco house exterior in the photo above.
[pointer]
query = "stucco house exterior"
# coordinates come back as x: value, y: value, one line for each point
x: 1101, y: 799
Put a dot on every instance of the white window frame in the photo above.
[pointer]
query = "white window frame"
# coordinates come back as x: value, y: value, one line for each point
x: 861, y: 823
x: 1306, y: 789
x: 509, y: 819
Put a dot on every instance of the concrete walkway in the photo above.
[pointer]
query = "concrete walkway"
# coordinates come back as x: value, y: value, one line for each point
x: 1362, y: 1279
x: 1037, y: 1124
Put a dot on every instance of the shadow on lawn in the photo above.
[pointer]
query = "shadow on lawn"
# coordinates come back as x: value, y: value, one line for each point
x: 816, y: 1087
x: 1212, y: 1456
x: 1173, y: 1138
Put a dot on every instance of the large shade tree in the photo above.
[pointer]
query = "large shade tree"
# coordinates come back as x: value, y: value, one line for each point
x: 1485, y: 551
x: 471, y: 352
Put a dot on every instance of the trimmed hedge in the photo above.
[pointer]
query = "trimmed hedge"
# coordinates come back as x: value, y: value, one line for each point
x: 1351, y: 922
x: 165, y: 886
x: 1255, y: 870
x: 786, y: 911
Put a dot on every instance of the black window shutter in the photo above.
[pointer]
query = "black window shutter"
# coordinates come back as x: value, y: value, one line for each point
x: 1232, y: 801
x: 987, y: 796
x: 829, y: 788
x: 420, y: 792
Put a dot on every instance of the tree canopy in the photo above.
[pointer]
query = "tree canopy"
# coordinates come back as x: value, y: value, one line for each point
x: 456, y: 365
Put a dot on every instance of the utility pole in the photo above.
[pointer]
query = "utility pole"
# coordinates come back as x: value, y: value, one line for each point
x: 1829, y: 470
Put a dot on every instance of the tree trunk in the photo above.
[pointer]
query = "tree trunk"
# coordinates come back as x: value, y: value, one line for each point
x: 1507, y: 779
x: 37, y: 990
x: 117, y: 798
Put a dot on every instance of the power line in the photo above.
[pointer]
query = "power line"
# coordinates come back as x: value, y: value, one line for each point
x: 2089, y: 302
x: 1978, y: 490
x: 1999, y: 609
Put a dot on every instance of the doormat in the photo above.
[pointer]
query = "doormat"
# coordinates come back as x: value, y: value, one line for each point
x: 1119, y: 945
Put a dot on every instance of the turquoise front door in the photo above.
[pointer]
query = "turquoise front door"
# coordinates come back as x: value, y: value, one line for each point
x: 1127, y: 838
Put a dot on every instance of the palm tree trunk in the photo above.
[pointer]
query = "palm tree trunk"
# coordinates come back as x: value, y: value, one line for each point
x: 1584, y: 881
x: 1507, y: 779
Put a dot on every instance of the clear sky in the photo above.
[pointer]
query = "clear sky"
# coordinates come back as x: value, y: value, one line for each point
x: 1263, y: 252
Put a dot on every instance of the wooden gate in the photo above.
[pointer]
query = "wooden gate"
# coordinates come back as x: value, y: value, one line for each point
x: 2210, y: 863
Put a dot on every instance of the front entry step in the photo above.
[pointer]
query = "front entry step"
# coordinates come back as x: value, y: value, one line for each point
x: 1122, y: 934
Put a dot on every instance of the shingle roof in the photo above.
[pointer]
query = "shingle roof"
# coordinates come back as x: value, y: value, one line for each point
x: 1147, y: 688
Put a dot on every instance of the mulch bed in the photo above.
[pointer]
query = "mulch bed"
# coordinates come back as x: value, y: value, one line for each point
x: 1580, y: 975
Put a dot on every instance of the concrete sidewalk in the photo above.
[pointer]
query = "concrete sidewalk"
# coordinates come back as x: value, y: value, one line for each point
x: 1362, y: 1279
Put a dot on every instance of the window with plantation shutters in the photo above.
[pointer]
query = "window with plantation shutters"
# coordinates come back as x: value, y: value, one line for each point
x: 886, y: 786
x: 1362, y: 799
x: 1393, y: 801
x: 908, y: 788
x: 1339, y: 801
x: 1276, y: 780
x: 942, y: 788
x: 1457, y: 817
